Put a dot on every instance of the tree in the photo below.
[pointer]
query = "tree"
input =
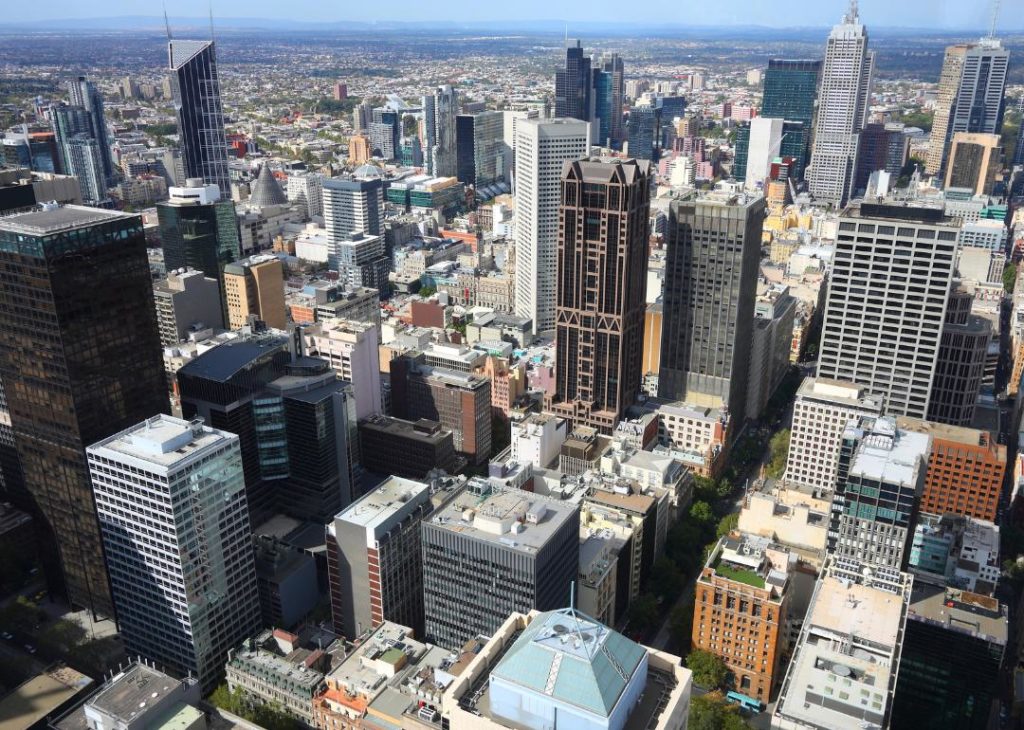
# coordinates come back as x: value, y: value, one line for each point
x: 680, y: 627
x: 666, y: 579
x: 1010, y: 278
x: 779, y: 448
x: 427, y: 291
x: 727, y: 524
x: 702, y: 513
x: 918, y: 118
x: 709, y: 671
x: 712, y: 712
x: 409, y: 125
x: 21, y: 615
x: 643, y: 614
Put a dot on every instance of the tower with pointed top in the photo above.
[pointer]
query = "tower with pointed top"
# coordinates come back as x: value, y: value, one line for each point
x: 196, y: 90
x: 843, y: 100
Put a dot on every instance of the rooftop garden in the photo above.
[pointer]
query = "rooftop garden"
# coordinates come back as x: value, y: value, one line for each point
x: 738, y: 574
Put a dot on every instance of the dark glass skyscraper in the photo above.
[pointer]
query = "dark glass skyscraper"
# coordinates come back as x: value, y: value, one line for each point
x: 714, y: 249
x: 196, y: 89
x: 643, y: 132
x: 199, y: 233
x: 790, y: 90
x: 80, y: 359
x: 602, y: 274
x: 573, y: 85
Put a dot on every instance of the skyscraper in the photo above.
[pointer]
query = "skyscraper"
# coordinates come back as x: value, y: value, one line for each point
x: 842, y: 110
x: 974, y: 161
x: 602, y: 275
x: 609, y: 87
x: 573, y: 84
x: 294, y: 418
x: 80, y: 358
x: 971, y: 96
x: 80, y: 151
x: 196, y: 88
x: 643, y: 131
x: 891, y: 278
x: 481, y: 154
x: 83, y: 93
x: 199, y: 230
x: 170, y: 497
x: 439, y: 113
x: 542, y: 146
x: 353, y: 204
x: 790, y: 91
x: 714, y: 249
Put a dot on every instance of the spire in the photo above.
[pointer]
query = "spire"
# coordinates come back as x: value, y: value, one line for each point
x: 852, y: 17
x: 211, y: 20
x: 995, y: 16
x: 167, y: 23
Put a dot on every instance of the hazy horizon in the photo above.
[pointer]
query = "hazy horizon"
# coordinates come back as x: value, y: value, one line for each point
x: 943, y: 15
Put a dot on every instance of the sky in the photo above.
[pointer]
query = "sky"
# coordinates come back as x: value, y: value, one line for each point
x: 939, y: 14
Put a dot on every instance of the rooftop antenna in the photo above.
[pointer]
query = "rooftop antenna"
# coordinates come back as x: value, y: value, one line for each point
x: 567, y: 34
x: 167, y: 23
x: 211, y: 19
x: 992, y: 21
x: 853, y: 11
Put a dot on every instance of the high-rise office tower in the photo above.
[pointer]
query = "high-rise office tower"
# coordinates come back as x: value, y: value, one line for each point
x: 602, y: 276
x: 490, y: 552
x: 643, y: 131
x: 439, y: 113
x: 350, y: 205
x: 790, y: 92
x: 609, y: 88
x: 882, y: 147
x: 196, y: 88
x: 714, y: 250
x: 891, y: 277
x: 879, y: 481
x: 83, y: 93
x: 573, y: 85
x: 960, y: 366
x: 80, y: 151
x: 375, y: 558
x: 971, y: 94
x: 542, y: 146
x: 294, y: 418
x: 843, y: 102
x: 481, y: 156
x: 170, y: 497
x: 80, y: 358
x: 199, y: 230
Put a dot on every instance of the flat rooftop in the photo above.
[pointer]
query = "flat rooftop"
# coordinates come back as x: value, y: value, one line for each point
x: 839, y: 392
x: 421, y: 430
x: 947, y: 432
x: 515, y: 519
x: 222, y: 362
x: 162, y: 441
x: 982, y: 617
x: 65, y: 218
x: 40, y: 696
x: 375, y: 508
x: 889, y: 453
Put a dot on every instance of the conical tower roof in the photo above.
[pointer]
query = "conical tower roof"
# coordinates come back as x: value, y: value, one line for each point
x: 266, y: 191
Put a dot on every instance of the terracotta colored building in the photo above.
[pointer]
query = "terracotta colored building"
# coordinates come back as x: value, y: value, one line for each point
x: 255, y: 286
x: 965, y: 473
x: 741, y: 610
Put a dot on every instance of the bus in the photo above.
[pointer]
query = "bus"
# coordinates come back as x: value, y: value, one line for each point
x: 748, y: 703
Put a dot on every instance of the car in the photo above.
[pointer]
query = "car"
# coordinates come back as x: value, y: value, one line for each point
x: 30, y: 649
x: 6, y: 635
